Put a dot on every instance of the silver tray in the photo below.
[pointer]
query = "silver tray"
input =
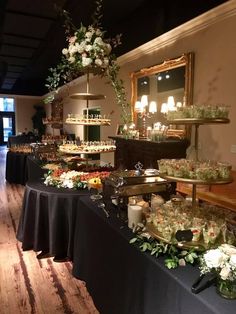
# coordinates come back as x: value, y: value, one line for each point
x: 195, y: 181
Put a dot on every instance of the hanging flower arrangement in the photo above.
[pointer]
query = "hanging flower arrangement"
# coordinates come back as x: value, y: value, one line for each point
x: 89, y: 50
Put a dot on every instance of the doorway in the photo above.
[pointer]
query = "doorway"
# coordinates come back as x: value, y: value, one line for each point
x: 7, y: 126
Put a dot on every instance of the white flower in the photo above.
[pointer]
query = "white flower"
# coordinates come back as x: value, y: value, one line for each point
x: 68, y: 184
x: 72, y: 49
x: 224, y: 273
x: 47, y: 180
x: 64, y: 51
x: 232, y: 260
x: 79, y: 48
x: 214, y: 258
x: 98, y: 41
x: 88, y: 48
x: 89, y: 35
x: 71, y: 59
x: 86, y: 61
x: 228, y: 249
x: 98, y: 62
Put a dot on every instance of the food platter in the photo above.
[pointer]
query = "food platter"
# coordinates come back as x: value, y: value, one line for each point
x: 77, y: 152
x: 103, y: 122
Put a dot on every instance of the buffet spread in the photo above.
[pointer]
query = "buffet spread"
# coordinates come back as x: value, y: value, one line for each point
x: 88, y: 119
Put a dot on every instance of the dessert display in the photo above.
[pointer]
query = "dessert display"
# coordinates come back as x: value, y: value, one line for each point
x: 196, y: 170
x: 199, y: 112
x: 207, y: 224
x: 88, y: 147
x: 88, y: 119
x: 21, y: 148
x: 50, y: 139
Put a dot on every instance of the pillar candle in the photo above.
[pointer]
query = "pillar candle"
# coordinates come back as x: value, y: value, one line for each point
x: 134, y: 215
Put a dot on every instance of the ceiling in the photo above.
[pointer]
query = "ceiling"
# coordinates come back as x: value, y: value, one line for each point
x: 32, y: 35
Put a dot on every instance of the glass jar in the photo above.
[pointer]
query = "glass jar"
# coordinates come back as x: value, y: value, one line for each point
x: 226, y: 288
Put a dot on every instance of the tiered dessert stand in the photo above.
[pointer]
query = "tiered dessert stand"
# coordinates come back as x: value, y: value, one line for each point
x: 197, y: 123
x: 87, y: 121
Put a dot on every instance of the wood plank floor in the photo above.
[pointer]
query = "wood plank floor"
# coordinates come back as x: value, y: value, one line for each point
x: 29, y: 285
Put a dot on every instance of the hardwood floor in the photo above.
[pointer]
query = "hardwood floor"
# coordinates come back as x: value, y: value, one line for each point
x: 29, y: 285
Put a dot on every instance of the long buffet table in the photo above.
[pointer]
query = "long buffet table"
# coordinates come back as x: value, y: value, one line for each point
x: 120, y: 278
x: 123, y: 280
x: 16, y: 168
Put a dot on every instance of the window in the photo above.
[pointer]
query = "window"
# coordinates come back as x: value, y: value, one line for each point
x: 7, y: 104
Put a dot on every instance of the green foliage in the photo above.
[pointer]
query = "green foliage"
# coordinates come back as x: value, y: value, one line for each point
x: 174, y: 256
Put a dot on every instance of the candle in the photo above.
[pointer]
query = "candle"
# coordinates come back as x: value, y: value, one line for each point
x: 134, y: 215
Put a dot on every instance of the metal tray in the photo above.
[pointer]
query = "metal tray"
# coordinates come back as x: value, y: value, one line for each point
x: 131, y: 177
x: 198, y: 121
x: 195, y: 181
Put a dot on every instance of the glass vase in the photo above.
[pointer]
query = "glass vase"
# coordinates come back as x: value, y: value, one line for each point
x: 226, y: 288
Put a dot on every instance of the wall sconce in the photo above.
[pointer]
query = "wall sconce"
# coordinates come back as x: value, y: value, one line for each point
x: 171, y: 103
x: 164, y: 108
x: 144, y: 111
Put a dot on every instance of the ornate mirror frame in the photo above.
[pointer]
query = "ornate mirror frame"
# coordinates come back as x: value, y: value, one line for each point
x: 187, y: 60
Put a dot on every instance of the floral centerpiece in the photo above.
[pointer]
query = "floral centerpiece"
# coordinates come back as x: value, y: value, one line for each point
x: 222, y: 262
x: 89, y: 50
x: 73, y: 179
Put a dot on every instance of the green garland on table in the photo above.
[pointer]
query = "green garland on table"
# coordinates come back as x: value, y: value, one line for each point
x: 174, y: 256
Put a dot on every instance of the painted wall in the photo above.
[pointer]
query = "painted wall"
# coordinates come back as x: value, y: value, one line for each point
x: 24, y: 112
x: 211, y: 38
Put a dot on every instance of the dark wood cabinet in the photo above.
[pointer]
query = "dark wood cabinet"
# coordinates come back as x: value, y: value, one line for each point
x: 130, y: 151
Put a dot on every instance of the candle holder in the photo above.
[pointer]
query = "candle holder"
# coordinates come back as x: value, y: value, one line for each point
x: 144, y: 112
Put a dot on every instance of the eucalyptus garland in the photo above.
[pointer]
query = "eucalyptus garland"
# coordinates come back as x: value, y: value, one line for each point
x: 174, y: 256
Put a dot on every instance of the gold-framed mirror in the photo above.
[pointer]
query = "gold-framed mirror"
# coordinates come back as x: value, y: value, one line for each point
x: 172, y: 78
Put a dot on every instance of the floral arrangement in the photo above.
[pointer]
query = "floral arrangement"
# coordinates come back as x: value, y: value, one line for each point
x: 89, y: 50
x: 221, y: 261
x: 73, y: 179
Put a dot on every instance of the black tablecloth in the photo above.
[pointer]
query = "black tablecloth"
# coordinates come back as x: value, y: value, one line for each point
x: 48, y: 218
x: 123, y: 280
x: 16, y: 168
x: 34, y: 169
